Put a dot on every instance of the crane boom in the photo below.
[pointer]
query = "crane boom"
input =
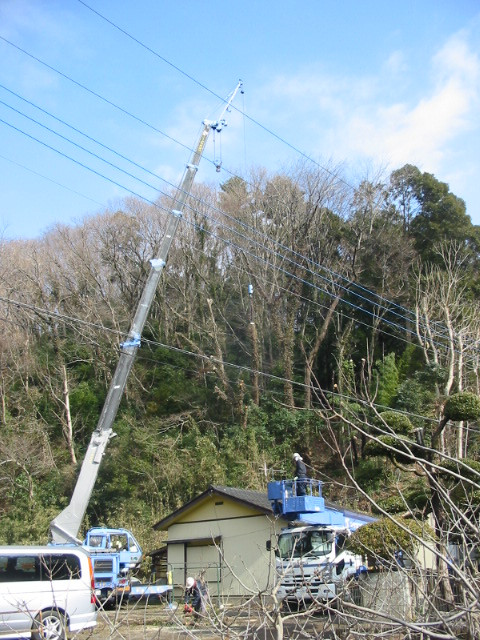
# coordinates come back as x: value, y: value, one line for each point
x: 65, y: 527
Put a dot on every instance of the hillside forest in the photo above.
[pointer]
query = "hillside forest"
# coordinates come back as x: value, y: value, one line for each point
x: 295, y: 313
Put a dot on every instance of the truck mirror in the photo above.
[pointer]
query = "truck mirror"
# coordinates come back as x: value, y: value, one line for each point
x: 268, y: 545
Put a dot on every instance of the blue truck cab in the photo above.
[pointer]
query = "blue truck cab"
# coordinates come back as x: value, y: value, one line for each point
x: 114, y: 553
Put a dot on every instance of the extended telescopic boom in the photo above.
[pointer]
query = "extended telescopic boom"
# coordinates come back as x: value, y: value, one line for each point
x: 65, y: 527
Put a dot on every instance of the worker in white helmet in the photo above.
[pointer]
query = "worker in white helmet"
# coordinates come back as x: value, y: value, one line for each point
x: 300, y: 474
x: 195, y: 594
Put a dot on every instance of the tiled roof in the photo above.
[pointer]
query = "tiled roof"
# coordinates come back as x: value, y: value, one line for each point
x: 246, y: 496
x: 259, y: 498
x: 249, y: 497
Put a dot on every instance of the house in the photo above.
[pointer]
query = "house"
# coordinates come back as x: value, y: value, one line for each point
x: 224, y: 534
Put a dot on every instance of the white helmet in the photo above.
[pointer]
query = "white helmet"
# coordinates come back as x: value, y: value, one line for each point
x: 297, y: 456
x: 190, y: 582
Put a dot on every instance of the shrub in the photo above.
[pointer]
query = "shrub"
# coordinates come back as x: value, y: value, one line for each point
x: 391, y: 447
x: 462, y: 406
x: 398, y: 422
x: 381, y: 539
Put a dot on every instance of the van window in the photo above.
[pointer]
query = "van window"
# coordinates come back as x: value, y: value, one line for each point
x: 19, y: 568
x: 61, y: 567
x: 28, y: 568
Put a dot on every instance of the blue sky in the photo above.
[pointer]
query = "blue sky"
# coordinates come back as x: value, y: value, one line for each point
x: 369, y: 84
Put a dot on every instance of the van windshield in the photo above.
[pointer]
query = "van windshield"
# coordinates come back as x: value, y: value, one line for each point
x: 304, y: 543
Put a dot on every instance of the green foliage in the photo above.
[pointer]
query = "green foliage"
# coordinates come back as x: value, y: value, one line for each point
x: 371, y: 474
x: 162, y: 471
x: 439, y: 213
x: 180, y: 426
x: 468, y: 468
x: 413, y: 497
x: 397, y: 448
x: 462, y: 406
x: 269, y: 436
x: 85, y: 405
x: 391, y: 504
x: 392, y: 445
x: 462, y: 476
x: 26, y: 518
x: 409, y: 361
x: 399, y: 423
x: 381, y: 539
x: 417, y: 396
x: 386, y: 380
x: 347, y: 370
x: 22, y: 525
x: 417, y: 495
x: 172, y: 383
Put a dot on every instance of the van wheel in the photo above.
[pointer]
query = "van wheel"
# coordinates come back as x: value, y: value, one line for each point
x: 49, y: 625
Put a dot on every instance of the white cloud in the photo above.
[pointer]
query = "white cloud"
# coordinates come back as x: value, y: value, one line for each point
x: 405, y: 112
x: 27, y: 18
x: 363, y: 124
x: 423, y: 132
x: 395, y: 63
x: 456, y: 59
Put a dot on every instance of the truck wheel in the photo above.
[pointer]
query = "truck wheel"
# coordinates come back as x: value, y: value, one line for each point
x: 49, y: 625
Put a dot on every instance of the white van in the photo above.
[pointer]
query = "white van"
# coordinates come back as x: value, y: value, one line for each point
x: 45, y: 592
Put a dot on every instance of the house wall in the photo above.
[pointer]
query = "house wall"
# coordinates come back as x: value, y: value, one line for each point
x: 238, y: 563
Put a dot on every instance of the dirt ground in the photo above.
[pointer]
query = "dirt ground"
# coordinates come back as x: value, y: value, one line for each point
x: 156, y: 622
x: 135, y: 622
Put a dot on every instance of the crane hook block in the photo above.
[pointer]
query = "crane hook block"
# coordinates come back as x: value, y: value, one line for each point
x: 216, y: 125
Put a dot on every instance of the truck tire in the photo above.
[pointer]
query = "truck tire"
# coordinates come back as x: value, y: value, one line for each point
x: 49, y: 625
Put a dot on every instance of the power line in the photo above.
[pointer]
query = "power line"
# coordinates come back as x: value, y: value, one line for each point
x: 208, y: 358
x: 155, y: 53
x: 203, y: 86
x: 349, y: 282
x: 82, y: 133
x: 81, y: 164
x: 215, y: 222
x: 242, y: 111
x: 59, y: 184
x: 156, y: 189
x: 93, y: 93
x: 94, y: 155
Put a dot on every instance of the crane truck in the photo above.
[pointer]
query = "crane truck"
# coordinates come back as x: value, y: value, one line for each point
x: 116, y: 552
x: 311, y: 558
